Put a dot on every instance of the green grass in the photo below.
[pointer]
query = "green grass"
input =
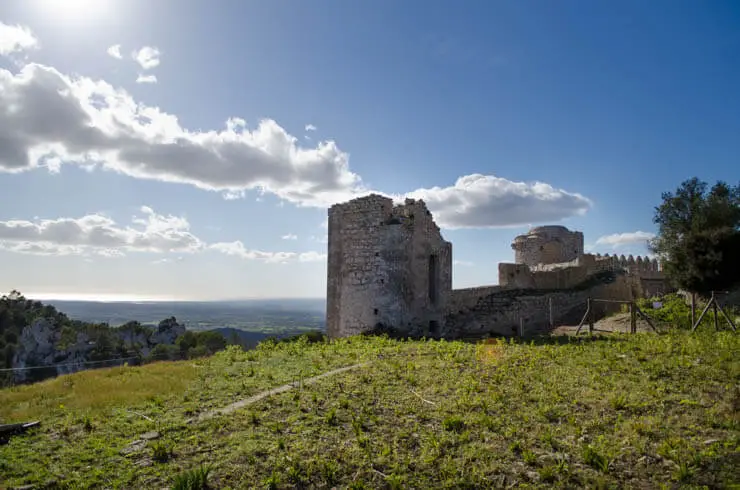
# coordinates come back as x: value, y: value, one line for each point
x: 621, y: 411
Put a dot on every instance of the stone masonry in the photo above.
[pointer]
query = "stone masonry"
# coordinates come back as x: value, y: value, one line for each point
x: 390, y: 268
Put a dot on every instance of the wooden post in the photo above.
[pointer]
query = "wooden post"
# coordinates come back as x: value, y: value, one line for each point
x: 714, y: 310
x: 633, y: 317
x: 693, y: 308
x: 703, y: 312
x: 549, y: 303
x: 590, y: 318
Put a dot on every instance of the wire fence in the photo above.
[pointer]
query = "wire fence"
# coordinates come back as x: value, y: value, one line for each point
x: 31, y: 374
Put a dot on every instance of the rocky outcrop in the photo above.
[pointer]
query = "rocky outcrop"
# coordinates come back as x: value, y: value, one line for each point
x: 42, y: 344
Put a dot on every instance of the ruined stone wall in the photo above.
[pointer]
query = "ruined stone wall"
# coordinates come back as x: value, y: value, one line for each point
x: 569, y: 274
x: 382, y: 260
x: 547, y: 245
x: 505, y: 311
x: 520, y: 276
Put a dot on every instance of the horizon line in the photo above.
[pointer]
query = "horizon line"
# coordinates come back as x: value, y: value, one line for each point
x: 129, y: 298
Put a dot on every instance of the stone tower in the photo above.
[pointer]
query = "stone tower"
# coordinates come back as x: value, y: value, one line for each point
x: 387, y: 266
x: 547, y: 245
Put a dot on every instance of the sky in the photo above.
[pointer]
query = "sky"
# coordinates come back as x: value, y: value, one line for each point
x: 189, y: 150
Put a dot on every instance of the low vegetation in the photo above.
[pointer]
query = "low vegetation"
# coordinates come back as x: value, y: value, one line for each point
x: 105, y: 342
x: 616, y: 411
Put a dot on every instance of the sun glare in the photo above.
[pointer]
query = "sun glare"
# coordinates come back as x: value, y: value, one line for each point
x: 73, y: 11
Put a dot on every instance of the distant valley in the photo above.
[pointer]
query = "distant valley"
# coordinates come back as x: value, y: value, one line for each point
x: 249, y: 320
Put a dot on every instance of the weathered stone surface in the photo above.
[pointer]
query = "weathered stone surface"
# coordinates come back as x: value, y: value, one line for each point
x: 389, y: 266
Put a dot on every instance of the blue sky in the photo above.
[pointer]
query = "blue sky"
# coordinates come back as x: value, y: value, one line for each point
x: 501, y: 115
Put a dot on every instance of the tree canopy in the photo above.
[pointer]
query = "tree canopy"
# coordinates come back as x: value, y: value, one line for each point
x: 698, y: 239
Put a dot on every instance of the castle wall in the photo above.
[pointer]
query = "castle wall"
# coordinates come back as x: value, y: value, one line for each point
x: 502, y: 312
x: 389, y: 266
x: 380, y: 267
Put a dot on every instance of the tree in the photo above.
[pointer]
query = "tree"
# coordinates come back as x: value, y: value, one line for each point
x: 699, y: 236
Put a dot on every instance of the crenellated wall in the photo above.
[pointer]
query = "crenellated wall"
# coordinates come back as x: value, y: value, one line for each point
x: 390, y: 267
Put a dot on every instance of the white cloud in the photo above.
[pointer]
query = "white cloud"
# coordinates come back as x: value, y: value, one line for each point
x: 146, y: 78
x: 100, y: 235
x: 115, y: 51
x: 486, y: 201
x: 44, y: 113
x: 311, y: 256
x: 462, y: 263
x: 147, y: 57
x: 48, y: 120
x: 16, y: 38
x: 311, y: 127
x: 617, y: 240
x: 238, y: 249
x: 290, y: 236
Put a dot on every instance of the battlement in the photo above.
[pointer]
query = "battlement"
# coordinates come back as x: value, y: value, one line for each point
x: 389, y: 267
x: 636, y: 265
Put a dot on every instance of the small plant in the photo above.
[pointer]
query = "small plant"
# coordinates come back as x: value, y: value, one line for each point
x: 684, y: 472
x: 549, y: 438
x: 331, y: 417
x: 195, y: 479
x: 395, y: 482
x: 87, y: 424
x: 529, y: 457
x: 548, y: 474
x: 272, y: 481
x: 515, y: 447
x: 619, y: 402
x: 594, y: 459
x: 295, y: 474
x: 453, y: 423
x: 330, y: 472
x: 161, y: 451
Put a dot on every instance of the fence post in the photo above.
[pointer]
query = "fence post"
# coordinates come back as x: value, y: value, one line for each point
x: 633, y: 317
x: 549, y: 301
x: 590, y: 318
x: 714, y: 310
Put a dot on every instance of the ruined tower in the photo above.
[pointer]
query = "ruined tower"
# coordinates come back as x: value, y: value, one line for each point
x: 544, y: 245
x: 387, y: 266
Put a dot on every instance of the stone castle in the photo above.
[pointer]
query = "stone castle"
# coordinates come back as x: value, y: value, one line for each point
x: 390, y: 268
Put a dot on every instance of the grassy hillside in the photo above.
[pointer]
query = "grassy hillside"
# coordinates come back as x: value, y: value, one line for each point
x: 621, y: 412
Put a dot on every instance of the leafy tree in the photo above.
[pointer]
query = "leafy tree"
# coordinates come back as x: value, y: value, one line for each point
x: 699, y: 236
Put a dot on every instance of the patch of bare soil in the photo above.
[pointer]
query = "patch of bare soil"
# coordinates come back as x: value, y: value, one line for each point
x: 619, y: 322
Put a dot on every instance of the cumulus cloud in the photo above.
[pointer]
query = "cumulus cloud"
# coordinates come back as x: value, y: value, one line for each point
x: 115, y: 51
x: 617, y: 240
x: 238, y: 249
x: 46, y: 114
x: 95, y: 234
x: 100, y: 235
x: 16, y: 38
x: 311, y: 127
x: 290, y: 236
x: 486, y: 201
x: 146, y: 78
x: 48, y: 120
x: 147, y: 57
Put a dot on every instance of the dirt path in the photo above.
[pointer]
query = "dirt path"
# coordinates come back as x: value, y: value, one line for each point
x: 280, y: 389
x: 615, y: 323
